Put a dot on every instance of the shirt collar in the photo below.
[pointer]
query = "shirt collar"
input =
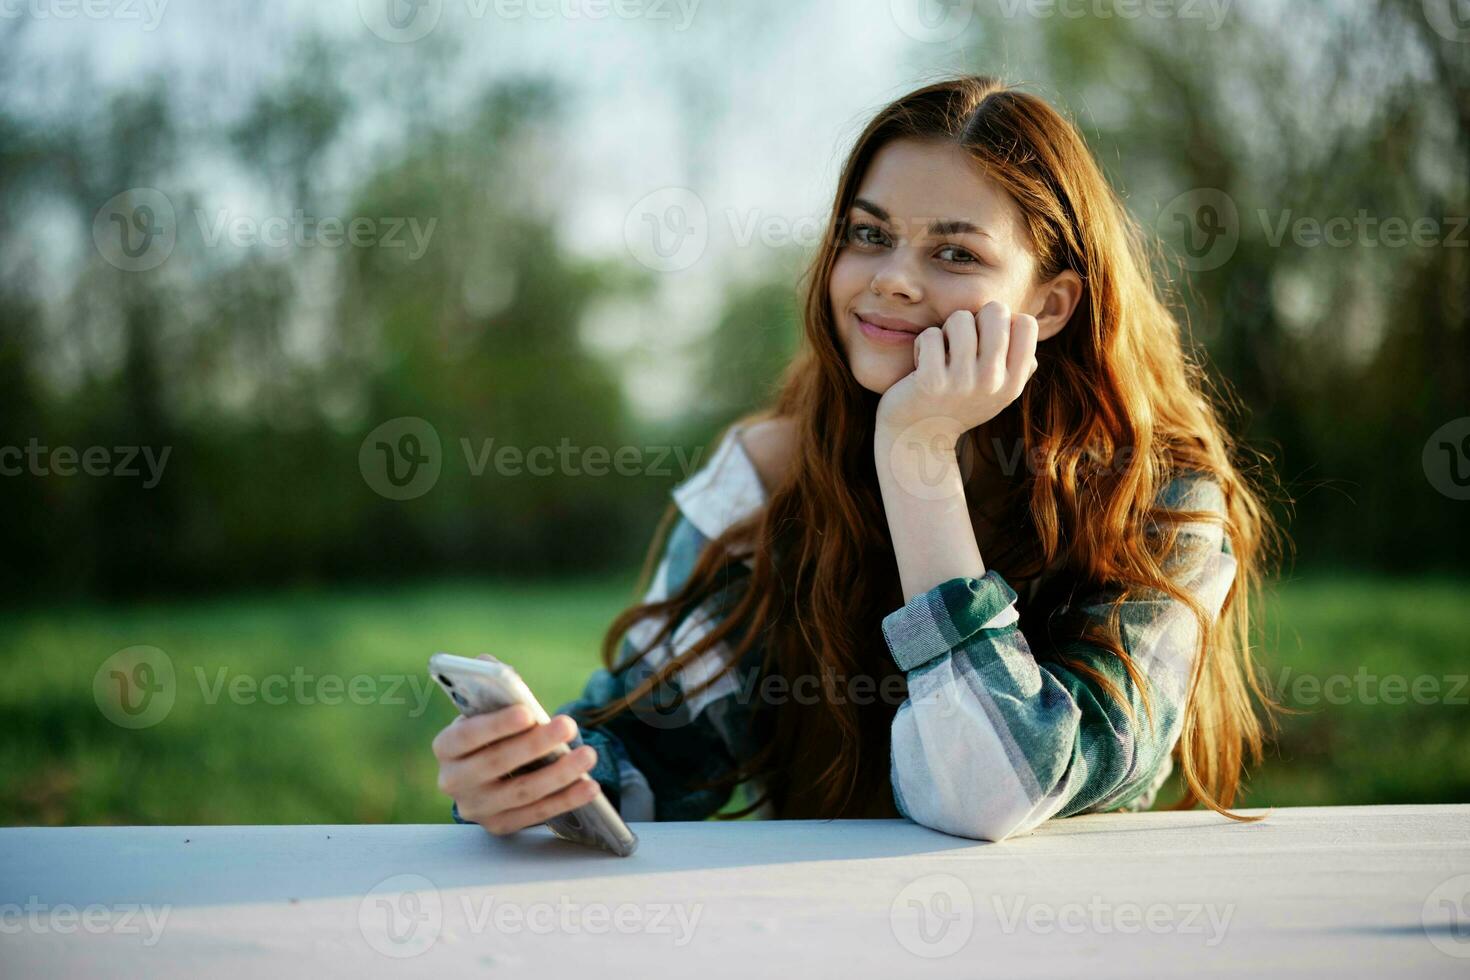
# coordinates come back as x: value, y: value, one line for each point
x: 726, y: 490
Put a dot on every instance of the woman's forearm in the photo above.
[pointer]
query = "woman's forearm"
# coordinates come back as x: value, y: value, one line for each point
x: 923, y: 493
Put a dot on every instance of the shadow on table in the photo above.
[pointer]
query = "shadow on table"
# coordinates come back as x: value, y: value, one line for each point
x: 218, y: 865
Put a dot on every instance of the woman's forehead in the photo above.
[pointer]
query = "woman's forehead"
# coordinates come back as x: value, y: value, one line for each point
x: 916, y: 181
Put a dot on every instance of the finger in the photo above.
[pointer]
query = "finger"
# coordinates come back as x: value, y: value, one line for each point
x: 508, y: 755
x: 929, y: 357
x: 583, y: 790
x: 962, y: 338
x: 1024, y: 329
x: 995, y: 342
x: 460, y: 776
x: 518, y: 791
x: 464, y: 736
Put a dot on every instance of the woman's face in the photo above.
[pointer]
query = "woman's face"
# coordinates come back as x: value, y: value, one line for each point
x: 928, y: 234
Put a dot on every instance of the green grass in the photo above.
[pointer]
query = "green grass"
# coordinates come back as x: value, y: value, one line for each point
x: 1394, y: 727
x: 242, y: 760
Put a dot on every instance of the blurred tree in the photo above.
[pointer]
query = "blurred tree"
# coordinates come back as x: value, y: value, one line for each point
x: 756, y: 336
x: 263, y: 368
x: 1344, y: 358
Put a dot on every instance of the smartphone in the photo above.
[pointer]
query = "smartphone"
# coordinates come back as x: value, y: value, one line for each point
x: 478, y: 686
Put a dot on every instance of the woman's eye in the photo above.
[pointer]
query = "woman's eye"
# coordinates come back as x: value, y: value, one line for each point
x: 960, y: 256
x: 871, y: 236
x: 867, y: 235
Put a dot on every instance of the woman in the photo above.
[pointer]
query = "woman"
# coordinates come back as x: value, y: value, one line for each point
x: 985, y: 561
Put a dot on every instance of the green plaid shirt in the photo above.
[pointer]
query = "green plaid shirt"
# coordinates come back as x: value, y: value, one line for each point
x: 989, y: 744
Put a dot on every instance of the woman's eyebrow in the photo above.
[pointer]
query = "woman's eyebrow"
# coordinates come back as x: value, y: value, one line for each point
x: 952, y: 226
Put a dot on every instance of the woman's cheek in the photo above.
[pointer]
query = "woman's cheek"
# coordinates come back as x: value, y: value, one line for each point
x: 845, y: 280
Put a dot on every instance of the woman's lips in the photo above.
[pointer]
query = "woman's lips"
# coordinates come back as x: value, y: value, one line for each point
x: 882, y: 335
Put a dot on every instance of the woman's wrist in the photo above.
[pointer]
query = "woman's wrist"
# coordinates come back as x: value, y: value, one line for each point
x: 923, y: 492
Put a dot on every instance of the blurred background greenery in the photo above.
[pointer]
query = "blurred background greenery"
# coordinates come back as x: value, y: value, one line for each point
x: 514, y: 179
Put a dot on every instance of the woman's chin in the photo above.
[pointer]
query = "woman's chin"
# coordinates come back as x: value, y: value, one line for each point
x: 878, y: 377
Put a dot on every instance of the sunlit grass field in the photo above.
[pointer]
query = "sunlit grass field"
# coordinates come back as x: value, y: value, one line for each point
x: 316, y: 707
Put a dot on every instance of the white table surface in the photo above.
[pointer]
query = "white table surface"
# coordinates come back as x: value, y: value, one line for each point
x: 1314, y: 891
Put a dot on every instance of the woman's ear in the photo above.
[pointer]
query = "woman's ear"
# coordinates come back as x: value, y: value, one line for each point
x: 1054, y: 302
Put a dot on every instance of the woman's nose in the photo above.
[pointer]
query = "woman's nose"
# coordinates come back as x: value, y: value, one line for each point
x: 895, y: 278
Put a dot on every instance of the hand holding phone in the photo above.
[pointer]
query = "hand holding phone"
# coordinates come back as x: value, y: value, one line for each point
x: 507, y: 765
